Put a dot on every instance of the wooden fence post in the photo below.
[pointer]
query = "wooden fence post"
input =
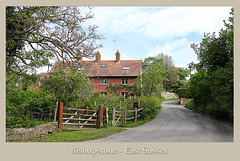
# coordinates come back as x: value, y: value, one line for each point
x: 87, y: 109
x: 60, y: 117
x: 55, y: 112
x: 113, y: 116
x: 139, y: 103
x: 107, y: 115
x: 100, y: 117
x: 135, y: 114
x: 124, y: 116
x: 120, y: 105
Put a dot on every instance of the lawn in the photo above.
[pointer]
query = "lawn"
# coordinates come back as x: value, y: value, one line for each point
x: 77, y: 136
x: 84, y: 135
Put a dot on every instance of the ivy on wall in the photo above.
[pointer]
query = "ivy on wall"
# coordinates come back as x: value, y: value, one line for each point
x: 116, y: 89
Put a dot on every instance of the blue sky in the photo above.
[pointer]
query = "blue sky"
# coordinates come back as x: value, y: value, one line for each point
x: 140, y: 32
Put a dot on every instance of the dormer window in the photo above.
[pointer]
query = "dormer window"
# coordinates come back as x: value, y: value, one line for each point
x: 125, y: 68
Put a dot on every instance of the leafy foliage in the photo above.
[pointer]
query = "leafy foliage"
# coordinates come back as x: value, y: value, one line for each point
x: 67, y: 85
x: 182, y: 83
x: 172, y: 75
x: 173, y: 78
x: 183, y: 73
x: 36, y: 34
x: 115, y: 89
x: 183, y: 93
x: 153, y: 75
x: 18, y: 105
x: 151, y: 106
x: 212, y: 86
x: 135, y: 88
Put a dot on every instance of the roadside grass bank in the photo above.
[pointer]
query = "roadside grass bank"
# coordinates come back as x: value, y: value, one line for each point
x: 132, y: 124
x: 77, y: 136
x: 211, y: 111
x: 171, y: 99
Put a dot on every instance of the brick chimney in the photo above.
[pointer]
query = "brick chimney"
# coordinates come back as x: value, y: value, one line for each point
x: 98, y: 57
x: 117, y: 57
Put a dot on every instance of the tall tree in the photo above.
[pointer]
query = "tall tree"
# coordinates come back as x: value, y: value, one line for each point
x: 173, y: 78
x: 168, y: 62
x: 153, y: 75
x: 183, y: 73
x: 212, y: 85
x: 173, y: 75
x: 36, y: 34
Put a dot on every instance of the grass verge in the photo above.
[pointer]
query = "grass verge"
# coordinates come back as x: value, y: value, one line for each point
x: 172, y: 99
x: 77, y: 136
x: 131, y: 124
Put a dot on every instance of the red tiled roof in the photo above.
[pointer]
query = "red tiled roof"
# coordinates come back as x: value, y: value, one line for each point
x: 111, y: 69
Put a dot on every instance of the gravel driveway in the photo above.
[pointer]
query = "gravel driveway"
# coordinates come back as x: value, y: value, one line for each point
x: 175, y: 123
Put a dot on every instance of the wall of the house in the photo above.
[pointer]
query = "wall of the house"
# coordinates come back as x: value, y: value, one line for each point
x: 102, y: 88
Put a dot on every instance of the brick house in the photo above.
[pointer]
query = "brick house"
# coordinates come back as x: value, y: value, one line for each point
x: 38, y: 83
x: 105, y: 72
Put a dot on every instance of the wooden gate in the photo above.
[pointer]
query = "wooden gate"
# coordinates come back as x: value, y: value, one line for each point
x: 79, y: 119
x: 120, y: 117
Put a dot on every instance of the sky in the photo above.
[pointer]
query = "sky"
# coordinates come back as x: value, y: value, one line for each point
x: 140, y: 32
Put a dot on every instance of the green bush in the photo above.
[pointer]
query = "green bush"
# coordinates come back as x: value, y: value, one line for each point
x: 183, y: 93
x: 212, y: 110
x: 219, y: 112
x: 151, y: 106
x: 17, y: 117
x: 19, y: 103
x: 100, y: 99
x: 190, y: 105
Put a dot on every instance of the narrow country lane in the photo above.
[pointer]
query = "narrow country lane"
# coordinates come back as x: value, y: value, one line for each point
x: 175, y: 123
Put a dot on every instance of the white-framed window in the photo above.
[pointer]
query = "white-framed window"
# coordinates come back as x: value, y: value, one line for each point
x: 125, y: 81
x: 103, y: 81
x: 125, y: 95
x: 81, y: 69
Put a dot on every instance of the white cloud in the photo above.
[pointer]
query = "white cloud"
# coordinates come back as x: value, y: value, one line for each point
x: 161, y: 23
x: 180, y: 50
x: 169, y: 47
x: 170, y: 25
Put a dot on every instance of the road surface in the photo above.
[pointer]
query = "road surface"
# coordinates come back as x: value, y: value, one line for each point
x: 175, y: 123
